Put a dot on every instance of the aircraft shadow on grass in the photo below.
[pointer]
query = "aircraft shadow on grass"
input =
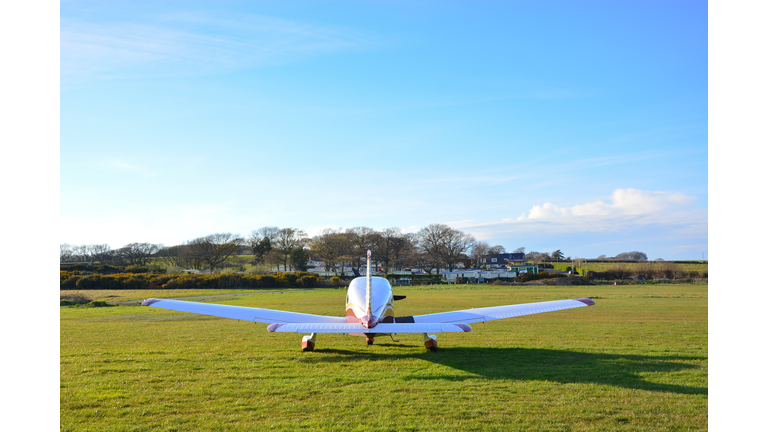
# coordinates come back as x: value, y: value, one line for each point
x: 541, y: 364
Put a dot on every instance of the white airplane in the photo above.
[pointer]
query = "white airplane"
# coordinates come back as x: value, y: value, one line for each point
x: 370, y: 313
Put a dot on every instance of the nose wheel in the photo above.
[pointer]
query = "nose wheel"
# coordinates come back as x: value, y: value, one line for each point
x: 430, y: 342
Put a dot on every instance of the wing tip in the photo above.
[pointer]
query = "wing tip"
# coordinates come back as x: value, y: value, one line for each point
x: 586, y: 301
x: 149, y: 302
x: 273, y: 327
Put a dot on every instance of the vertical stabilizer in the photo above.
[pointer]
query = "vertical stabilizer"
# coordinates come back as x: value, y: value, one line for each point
x: 368, y: 283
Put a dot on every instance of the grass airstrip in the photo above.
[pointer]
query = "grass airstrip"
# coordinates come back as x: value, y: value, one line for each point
x: 636, y: 361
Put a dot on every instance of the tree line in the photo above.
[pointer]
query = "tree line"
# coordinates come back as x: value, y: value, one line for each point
x: 431, y: 248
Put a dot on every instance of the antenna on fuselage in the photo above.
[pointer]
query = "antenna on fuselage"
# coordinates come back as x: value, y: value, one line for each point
x: 368, y: 283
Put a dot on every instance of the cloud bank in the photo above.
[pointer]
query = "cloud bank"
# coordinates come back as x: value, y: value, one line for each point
x: 626, y: 210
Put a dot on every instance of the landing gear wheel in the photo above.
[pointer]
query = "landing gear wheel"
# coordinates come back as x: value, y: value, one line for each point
x: 430, y: 342
x: 369, y: 340
x: 308, y: 342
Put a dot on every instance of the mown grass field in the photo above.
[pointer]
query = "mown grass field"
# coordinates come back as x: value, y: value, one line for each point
x: 635, y: 361
x: 113, y: 296
x: 638, y: 267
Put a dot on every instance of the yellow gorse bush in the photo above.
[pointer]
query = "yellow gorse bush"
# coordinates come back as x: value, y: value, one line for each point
x: 117, y: 281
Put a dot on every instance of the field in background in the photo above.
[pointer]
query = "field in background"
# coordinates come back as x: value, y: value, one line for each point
x: 635, y: 361
x: 647, y: 267
x: 143, y: 294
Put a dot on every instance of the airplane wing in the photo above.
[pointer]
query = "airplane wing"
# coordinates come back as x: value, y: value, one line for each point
x: 495, y: 312
x: 267, y: 316
x: 358, y: 328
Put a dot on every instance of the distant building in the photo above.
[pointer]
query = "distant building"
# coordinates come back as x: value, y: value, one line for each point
x: 463, y: 263
x: 502, y: 259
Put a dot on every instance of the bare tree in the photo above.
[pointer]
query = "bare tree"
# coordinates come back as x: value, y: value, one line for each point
x: 495, y: 250
x: 455, y: 244
x: 362, y: 239
x: 214, y: 249
x: 102, y: 253
x: 519, y: 250
x: 137, y: 253
x: 286, y: 241
x: 400, y: 246
x: 171, y: 256
x: 334, y: 246
x: 634, y: 255
x: 262, y: 241
x: 479, y: 251
x: 533, y: 256
x: 65, y: 253
x: 432, y: 246
x: 389, y: 247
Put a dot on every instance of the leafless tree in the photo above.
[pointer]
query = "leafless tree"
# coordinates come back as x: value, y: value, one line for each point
x: 181, y: 256
x: 432, y: 246
x: 634, y: 255
x: 390, y: 247
x: 533, y: 256
x: 100, y: 253
x: 480, y: 250
x: 334, y: 246
x: 214, y: 249
x: 262, y: 243
x: 137, y: 253
x: 286, y: 241
x: 495, y: 250
x: 519, y: 250
x: 65, y: 252
x: 270, y: 232
x: 362, y: 239
x: 455, y: 245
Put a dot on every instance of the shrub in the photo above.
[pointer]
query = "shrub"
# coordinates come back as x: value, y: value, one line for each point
x: 258, y: 269
x: 135, y: 269
x: 88, y: 282
x: 174, y: 269
x: 99, y: 304
x: 74, y: 298
x: 268, y: 281
x: 304, y: 281
x: 70, y: 282
x: 525, y: 277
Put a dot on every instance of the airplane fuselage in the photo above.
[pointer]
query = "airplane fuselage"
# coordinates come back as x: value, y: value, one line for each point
x: 372, y: 308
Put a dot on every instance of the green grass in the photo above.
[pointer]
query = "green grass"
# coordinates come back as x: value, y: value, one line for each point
x: 634, y: 267
x: 142, y: 294
x: 635, y: 361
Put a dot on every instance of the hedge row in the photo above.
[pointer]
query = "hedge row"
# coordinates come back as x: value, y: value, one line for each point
x: 72, y: 280
x: 525, y: 277
x: 106, y: 269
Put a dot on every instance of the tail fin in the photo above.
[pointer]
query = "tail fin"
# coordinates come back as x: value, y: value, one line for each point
x: 368, y: 283
x: 357, y: 273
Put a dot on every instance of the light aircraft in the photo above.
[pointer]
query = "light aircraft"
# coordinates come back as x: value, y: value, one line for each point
x: 370, y: 313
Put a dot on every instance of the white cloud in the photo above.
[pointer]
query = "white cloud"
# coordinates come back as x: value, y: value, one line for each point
x: 624, y: 202
x: 625, y: 210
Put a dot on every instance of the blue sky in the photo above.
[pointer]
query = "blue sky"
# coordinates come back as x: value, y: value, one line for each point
x: 579, y: 126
